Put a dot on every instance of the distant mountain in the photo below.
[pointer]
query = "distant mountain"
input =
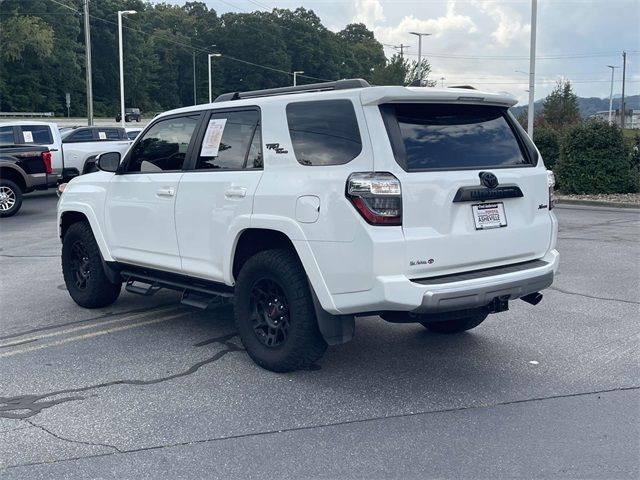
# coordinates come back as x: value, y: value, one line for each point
x: 589, y: 106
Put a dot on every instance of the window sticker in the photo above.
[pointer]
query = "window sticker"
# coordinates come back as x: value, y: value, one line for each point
x: 28, y: 136
x: 212, y: 137
x: 102, y: 135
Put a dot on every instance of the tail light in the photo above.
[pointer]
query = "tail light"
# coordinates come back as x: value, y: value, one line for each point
x: 46, y: 158
x: 377, y: 196
x: 551, y: 182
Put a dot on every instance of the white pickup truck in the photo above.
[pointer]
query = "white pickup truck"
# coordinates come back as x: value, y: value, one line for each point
x: 81, y: 145
x: 74, y: 151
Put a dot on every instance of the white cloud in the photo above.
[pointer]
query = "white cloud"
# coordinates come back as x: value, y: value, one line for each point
x: 450, y: 23
x: 510, y: 26
x: 368, y: 12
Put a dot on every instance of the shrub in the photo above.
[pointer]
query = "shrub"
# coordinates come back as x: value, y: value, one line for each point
x: 593, y: 159
x: 547, y: 140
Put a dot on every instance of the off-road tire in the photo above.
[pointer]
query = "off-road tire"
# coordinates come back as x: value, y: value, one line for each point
x: 303, y: 344
x: 83, y: 270
x: 14, y: 194
x: 455, y: 326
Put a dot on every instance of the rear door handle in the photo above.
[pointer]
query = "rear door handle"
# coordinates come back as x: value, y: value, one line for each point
x: 166, y: 192
x: 235, y: 192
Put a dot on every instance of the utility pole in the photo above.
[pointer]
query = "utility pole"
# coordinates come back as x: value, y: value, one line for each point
x: 611, y: 93
x: 402, y: 47
x: 532, y: 68
x: 624, y: 68
x: 87, y: 47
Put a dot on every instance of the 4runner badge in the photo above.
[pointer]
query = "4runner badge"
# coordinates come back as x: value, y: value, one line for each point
x: 276, y: 147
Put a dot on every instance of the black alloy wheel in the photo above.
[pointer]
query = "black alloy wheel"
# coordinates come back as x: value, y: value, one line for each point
x: 80, y: 267
x: 269, y: 313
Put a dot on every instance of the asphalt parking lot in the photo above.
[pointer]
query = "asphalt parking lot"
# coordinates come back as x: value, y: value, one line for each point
x: 148, y: 388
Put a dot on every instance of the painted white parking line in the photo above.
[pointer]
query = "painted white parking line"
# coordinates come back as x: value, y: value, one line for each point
x: 84, y: 326
x: 91, y: 335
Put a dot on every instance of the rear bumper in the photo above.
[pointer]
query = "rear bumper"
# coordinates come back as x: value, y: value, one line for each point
x: 451, y: 293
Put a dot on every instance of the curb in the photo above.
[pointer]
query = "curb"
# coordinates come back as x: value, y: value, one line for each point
x: 597, y: 203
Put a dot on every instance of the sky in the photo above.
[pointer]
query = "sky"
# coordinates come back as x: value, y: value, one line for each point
x: 485, y: 43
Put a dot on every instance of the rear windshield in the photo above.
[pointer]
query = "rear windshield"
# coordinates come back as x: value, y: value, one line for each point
x: 452, y: 137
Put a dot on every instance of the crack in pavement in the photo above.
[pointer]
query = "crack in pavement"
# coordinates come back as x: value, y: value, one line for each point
x: 567, y: 292
x: 327, y: 425
x: 22, y: 407
x: 80, y: 442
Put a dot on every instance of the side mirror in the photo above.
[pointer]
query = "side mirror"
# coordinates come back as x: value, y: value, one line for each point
x: 108, y: 162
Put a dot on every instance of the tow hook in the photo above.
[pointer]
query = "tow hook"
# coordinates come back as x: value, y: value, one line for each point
x: 533, y: 298
x: 499, y: 304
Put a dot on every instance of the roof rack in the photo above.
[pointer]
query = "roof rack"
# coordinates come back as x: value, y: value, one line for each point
x: 466, y: 87
x: 313, y: 87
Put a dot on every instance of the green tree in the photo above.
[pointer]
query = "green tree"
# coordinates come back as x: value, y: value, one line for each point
x: 560, y: 108
x: 420, y: 76
x: 23, y: 33
x: 395, y: 72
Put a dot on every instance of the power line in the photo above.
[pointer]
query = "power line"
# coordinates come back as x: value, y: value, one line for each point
x: 521, y: 57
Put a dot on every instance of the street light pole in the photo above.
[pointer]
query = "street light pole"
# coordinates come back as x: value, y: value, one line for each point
x: 611, y: 92
x: 419, y: 67
x: 195, y: 101
x: 120, y: 14
x: 87, y: 46
x: 532, y: 67
x: 209, y: 68
x: 295, y: 78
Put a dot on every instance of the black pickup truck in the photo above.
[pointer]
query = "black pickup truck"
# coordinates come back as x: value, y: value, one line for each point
x: 23, y: 169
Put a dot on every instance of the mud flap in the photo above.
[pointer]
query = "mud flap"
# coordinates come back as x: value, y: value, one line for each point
x: 335, y: 329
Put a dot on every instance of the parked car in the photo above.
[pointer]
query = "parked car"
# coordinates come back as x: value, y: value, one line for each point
x: 130, y: 115
x: 316, y: 204
x: 81, y: 145
x: 23, y: 169
x: 133, y: 132
x: 28, y: 132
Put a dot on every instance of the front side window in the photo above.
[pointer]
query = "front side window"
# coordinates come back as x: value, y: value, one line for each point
x: 6, y: 136
x: 324, y: 132
x: 38, y: 134
x: 231, y: 141
x: 164, y: 146
x: 84, y: 135
x: 452, y: 136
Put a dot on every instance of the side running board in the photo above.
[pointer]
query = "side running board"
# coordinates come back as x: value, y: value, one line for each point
x: 195, y: 292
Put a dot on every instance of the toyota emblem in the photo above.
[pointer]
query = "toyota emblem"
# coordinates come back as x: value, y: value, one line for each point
x: 488, y: 179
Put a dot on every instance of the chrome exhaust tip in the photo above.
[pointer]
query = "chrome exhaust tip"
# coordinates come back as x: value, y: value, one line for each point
x: 532, y: 298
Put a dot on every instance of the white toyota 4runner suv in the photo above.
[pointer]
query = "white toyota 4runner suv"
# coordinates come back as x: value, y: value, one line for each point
x: 316, y: 204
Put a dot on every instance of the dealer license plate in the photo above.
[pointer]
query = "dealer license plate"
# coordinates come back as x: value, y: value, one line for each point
x: 489, y: 215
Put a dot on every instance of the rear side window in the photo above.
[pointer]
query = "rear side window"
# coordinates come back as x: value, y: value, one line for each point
x: 324, y: 132
x: 38, y: 134
x: 109, y: 134
x: 231, y: 141
x: 452, y: 137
